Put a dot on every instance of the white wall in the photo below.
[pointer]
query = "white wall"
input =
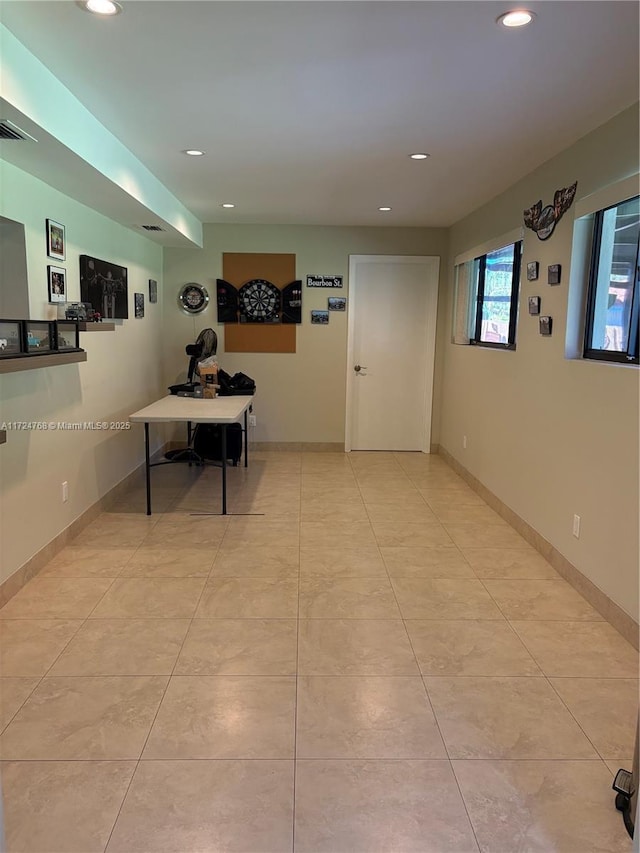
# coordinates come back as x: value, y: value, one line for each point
x: 552, y: 436
x: 301, y: 396
x: 123, y: 372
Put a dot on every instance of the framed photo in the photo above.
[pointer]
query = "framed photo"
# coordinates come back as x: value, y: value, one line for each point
x: 11, y: 339
x: 546, y: 325
x: 138, y: 299
x: 554, y: 271
x: 320, y: 317
x: 40, y: 336
x: 532, y: 270
x: 153, y: 290
x: 56, y: 245
x: 337, y: 303
x: 104, y: 286
x: 57, y: 278
x: 534, y: 305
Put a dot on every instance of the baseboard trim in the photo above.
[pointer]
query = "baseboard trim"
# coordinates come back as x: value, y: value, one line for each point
x: 29, y: 570
x: 615, y: 615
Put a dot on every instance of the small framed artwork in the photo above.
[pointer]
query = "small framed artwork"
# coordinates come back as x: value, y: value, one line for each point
x: 56, y: 247
x: 40, y: 337
x: 11, y: 341
x: 532, y: 270
x: 554, y: 271
x: 534, y: 305
x: 320, y: 317
x: 57, y: 279
x: 337, y: 303
x: 153, y: 290
x: 138, y: 300
x: 546, y: 325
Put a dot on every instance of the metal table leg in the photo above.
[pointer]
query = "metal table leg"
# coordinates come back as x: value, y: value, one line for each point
x: 147, y: 466
x: 224, y: 468
x: 246, y: 438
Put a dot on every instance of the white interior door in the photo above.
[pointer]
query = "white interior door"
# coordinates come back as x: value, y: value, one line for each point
x: 391, y: 350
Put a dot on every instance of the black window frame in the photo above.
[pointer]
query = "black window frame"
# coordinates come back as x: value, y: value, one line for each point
x: 632, y: 354
x: 514, y: 297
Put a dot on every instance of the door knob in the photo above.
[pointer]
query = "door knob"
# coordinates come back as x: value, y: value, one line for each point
x: 359, y: 367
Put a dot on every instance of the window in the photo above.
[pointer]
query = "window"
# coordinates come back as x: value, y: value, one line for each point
x: 495, y: 280
x: 611, y: 328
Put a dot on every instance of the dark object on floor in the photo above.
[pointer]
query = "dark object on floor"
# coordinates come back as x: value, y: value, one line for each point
x: 207, y: 442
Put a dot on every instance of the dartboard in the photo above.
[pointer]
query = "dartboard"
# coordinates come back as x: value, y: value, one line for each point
x: 259, y: 300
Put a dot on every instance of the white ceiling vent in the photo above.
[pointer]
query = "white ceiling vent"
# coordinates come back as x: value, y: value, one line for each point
x: 9, y: 130
x: 152, y: 228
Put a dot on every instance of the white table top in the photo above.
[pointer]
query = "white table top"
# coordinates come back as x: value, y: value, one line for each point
x: 220, y: 410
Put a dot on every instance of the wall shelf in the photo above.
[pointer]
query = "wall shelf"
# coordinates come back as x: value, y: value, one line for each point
x: 96, y: 327
x: 33, y: 362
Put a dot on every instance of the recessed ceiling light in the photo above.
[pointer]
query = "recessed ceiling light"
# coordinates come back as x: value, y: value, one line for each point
x: 516, y: 18
x: 419, y: 156
x: 384, y: 208
x: 193, y: 152
x: 101, y: 7
x: 227, y: 204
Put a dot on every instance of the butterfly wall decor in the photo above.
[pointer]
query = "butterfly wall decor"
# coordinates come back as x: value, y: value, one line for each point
x: 543, y: 220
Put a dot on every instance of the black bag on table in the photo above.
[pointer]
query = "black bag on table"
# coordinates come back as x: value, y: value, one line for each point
x: 207, y: 442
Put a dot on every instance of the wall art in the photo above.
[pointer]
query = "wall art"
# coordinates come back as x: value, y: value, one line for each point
x: 138, y: 302
x: 153, y: 290
x: 337, y: 303
x: 324, y: 281
x: 543, y: 220
x: 546, y: 325
x: 554, y: 272
x: 320, y: 317
x: 104, y: 285
x: 534, y: 305
x: 56, y: 245
x: 57, y: 283
x: 532, y: 270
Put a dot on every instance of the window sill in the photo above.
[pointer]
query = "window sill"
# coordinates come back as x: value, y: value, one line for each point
x: 486, y: 345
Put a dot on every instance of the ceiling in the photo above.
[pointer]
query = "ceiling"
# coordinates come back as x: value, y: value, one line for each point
x: 308, y: 111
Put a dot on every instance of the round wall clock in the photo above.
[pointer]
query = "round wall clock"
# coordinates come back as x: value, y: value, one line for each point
x: 259, y: 300
x: 193, y: 298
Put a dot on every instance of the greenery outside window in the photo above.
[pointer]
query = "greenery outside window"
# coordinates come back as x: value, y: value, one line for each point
x: 611, y: 328
x: 495, y: 282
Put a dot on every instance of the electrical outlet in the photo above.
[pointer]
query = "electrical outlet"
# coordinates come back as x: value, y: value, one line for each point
x: 65, y: 492
x: 252, y: 420
x: 576, y: 526
x: 464, y: 442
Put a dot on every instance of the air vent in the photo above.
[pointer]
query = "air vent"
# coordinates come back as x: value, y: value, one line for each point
x: 9, y: 130
x: 152, y: 228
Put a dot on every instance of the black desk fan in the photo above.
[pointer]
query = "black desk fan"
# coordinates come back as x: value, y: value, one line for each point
x: 205, y: 346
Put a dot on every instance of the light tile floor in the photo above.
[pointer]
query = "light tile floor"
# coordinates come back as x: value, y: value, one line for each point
x: 364, y: 657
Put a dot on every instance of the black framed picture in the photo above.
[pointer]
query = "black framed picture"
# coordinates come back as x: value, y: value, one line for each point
x: 138, y: 301
x: 337, y: 303
x: 153, y: 290
x: 104, y: 286
x: 57, y: 281
x: 532, y: 270
x: 534, y: 305
x: 554, y: 271
x: 546, y: 325
x: 320, y: 317
x: 56, y: 247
